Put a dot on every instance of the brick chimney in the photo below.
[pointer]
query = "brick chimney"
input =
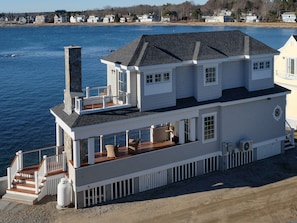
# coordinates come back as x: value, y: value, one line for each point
x: 73, y: 83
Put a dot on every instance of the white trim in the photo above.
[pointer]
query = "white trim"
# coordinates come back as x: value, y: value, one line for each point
x: 144, y: 172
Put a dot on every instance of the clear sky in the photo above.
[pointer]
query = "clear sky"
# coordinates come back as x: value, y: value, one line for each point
x: 16, y: 6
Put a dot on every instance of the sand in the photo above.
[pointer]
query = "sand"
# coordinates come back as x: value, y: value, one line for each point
x: 264, y: 191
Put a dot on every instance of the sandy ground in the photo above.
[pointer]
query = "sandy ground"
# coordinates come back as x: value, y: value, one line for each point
x: 264, y: 191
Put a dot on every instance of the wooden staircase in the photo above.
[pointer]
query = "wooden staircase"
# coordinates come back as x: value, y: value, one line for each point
x: 23, y: 187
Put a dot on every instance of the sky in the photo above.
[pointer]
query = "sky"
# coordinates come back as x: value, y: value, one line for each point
x: 17, y: 6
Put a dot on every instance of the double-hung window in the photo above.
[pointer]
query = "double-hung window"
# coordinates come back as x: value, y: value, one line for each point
x: 209, y: 127
x: 210, y: 75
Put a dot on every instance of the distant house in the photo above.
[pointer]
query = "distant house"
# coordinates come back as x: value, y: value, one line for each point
x: 60, y: 19
x: 218, y: 19
x: 148, y: 18
x: 250, y: 18
x: 39, y: 19
x: 285, y: 74
x: 77, y: 19
x: 289, y: 17
x: 93, y: 19
x: 22, y: 20
x: 108, y: 18
x: 123, y: 19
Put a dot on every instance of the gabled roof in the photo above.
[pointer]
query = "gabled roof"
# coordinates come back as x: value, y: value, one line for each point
x: 174, y: 48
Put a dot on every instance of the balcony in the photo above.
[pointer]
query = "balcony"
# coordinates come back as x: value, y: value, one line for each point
x: 99, y: 99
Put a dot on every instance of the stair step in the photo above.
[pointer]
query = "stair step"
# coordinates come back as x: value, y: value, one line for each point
x: 19, y: 197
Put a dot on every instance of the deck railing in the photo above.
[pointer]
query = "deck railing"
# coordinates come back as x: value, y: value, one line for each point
x: 36, y: 157
x: 49, y: 165
x: 288, y: 76
x: 99, y: 103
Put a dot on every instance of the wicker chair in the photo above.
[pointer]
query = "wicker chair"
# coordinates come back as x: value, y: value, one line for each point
x: 133, y: 146
x: 112, y: 151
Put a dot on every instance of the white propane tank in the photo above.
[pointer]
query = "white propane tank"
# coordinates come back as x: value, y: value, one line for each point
x: 64, y: 193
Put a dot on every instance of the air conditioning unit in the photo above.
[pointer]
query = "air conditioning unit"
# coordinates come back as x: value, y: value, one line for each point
x: 245, y: 145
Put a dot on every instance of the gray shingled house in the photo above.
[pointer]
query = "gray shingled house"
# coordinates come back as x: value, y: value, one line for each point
x: 175, y: 106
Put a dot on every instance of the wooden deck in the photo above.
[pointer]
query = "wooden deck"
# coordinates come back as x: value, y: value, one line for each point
x: 123, y: 151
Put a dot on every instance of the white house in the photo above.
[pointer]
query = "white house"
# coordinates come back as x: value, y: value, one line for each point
x: 285, y: 74
x: 148, y: 18
x: 289, y: 17
x: 93, y: 19
x: 108, y: 18
x: 175, y: 106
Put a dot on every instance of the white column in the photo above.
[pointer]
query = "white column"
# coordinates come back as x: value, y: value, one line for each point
x: 101, y: 144
x: 152, y: 133
x: 127, y: 138
x: 59, y: 135
x: 76, y: 154
x: 192, y: 124
x: 91, y: 150
x: 181, y: 133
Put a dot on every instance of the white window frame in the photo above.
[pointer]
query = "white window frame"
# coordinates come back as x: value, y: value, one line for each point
x: 214, y: 138
x: 209, y: 66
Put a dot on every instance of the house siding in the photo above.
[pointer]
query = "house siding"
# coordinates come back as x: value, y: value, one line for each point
x: 233, y: 74
x: 184, y: 81
x: 253, y: 120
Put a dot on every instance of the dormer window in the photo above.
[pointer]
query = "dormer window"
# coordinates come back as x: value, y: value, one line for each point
x: 210, y: 75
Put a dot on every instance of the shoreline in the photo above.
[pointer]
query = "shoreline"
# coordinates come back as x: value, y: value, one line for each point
x: 233, y: 24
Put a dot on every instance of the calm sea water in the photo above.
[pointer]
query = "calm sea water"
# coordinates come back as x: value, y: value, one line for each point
x: 32, y: 73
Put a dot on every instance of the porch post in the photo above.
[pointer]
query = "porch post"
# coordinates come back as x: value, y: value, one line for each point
x: 181, y: 133
x: 127, y: 138
x: 101, y: 143
x: 59, y: 138
x: 20, y: 160
x: 152, y: 133
x: 192, y: 129
x: 91, y: 150
x: 76, y: 154
x: 9, y: 180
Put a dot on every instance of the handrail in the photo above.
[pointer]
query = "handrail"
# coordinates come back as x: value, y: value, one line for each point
x: 291, y: 134
x: 40, y: 174
x: 12, y: 170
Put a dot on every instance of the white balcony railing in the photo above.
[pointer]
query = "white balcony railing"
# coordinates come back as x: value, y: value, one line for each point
x: 287, y: 76
x: 98, y: 99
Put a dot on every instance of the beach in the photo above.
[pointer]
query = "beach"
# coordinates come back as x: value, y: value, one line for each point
x: 263, y: 191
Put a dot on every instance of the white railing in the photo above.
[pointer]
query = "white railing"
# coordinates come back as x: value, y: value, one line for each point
x: 97, y: 91
x: 288, y: 76
x: 90, y: 105
x: 15, y: 166
x: 40, y: 174
x: 49, y: 165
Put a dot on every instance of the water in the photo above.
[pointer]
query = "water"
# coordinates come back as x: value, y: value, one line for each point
x: 32, y: 73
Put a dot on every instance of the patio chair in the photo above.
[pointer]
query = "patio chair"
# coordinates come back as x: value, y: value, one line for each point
x: 112, y: 151
x: 133, y: 146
